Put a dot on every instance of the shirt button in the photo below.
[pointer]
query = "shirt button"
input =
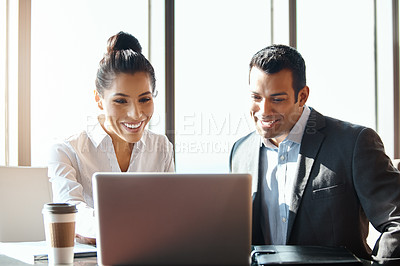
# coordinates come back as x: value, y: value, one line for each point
x: 282, y: 157
x: 284, y: 219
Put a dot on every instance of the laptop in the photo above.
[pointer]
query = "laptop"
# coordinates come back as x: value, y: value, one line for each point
x: 172, y: 219
x: 304, y: 255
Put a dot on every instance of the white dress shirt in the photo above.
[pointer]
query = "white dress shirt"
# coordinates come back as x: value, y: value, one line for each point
x: 279, y: 167
x: 73, y: 162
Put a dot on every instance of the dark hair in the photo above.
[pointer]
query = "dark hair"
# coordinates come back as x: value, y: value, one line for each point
x: 124, y: 55
x: 275, y: 58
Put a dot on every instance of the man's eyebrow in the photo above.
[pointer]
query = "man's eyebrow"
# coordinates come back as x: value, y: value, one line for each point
x: 272, y: 95
x: 120, y: 94
x: 278, y: 94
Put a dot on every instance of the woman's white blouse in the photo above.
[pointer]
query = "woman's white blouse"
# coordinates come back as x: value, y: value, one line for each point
x: 73, y: 162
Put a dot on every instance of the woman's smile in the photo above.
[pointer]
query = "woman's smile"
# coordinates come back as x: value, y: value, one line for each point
x: 132, y: 126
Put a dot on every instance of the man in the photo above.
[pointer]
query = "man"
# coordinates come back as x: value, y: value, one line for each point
x: 316, y: 180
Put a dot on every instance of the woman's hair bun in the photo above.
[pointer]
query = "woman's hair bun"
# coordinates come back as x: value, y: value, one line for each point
x: 123, y: 41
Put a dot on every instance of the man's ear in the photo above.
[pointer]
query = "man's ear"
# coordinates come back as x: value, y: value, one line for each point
x: 303, y: 96
x: 98, y: 99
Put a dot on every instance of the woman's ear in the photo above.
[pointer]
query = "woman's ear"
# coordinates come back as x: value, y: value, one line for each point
x: 98, y: 99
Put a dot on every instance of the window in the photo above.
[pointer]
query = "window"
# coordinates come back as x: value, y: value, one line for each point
x: 347, y: 45
x: 385, y: 97
x: 339, y: 55
x: 341, y: 61
x: 68, y: 40
x: 214, y: 42
x: 9, y: 82
x: 3, y: 66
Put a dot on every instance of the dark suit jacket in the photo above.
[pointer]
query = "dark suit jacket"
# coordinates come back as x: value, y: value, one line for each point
x: 344, y: 179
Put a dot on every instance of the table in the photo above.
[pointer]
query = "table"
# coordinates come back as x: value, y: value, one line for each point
x: 92, y: 261
x: 5, y: 260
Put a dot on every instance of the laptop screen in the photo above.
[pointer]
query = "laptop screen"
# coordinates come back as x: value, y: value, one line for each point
x: 167, y: 218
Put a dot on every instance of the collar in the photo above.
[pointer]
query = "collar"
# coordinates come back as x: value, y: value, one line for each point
x: 97, y: 134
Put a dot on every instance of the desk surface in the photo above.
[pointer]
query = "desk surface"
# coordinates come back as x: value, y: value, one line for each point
x: 5, y: 260
x: 92, y: 261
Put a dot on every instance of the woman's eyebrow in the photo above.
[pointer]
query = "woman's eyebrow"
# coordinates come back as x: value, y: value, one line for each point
x: 126, y: 95
x: 145, y: 93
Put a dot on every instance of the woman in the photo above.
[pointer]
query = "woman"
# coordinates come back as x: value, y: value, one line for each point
x: 125, y: 88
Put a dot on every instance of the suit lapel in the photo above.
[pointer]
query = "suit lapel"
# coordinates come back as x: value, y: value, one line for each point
x: 246, y: 158
x: 253, y: 151
x: 310, y: 145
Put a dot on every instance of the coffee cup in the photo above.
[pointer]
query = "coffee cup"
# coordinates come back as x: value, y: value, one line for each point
x: 59, y: 223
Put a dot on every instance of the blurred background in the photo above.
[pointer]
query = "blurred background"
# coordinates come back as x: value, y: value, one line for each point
x: 200, y: 49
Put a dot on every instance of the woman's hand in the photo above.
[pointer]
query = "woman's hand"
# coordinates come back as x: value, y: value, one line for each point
x: 85, y: 240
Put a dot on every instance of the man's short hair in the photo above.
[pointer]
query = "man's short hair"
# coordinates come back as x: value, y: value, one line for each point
x: 277, y: 57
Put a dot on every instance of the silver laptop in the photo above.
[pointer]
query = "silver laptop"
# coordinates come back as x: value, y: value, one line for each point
x: 172, y: 219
